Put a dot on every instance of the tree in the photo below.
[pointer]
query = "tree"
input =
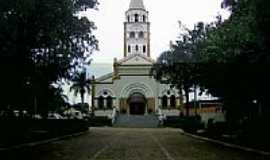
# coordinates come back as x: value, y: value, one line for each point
x: 236, y: 59
x: 180, y: 65
x: 81, y: 84
x: 42, y: 42
x: 58, y: 100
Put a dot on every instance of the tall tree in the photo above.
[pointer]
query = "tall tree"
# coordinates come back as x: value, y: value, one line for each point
x: 41, y: 42
x: 180, y: 65
x: 238, y: 50
x: 81, y: 84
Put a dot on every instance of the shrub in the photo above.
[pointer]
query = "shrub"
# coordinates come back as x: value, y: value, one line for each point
x: 188, y: 124
x: 22, y: 131
x: 99, y: 121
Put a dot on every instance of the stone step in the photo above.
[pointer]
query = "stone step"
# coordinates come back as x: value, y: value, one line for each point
x: 137, y: 121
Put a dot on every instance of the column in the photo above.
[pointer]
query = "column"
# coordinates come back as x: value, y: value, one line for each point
x: 105, y: 103
x: 95, y: 103
x: 169, y: 102
x: 178, y: 102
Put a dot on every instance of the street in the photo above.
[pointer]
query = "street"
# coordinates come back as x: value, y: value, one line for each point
x: 130, y: 144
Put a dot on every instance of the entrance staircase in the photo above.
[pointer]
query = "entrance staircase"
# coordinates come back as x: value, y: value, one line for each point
x: 136, y: 121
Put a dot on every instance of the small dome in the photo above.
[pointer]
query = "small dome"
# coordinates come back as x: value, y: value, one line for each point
x: 136, y: 4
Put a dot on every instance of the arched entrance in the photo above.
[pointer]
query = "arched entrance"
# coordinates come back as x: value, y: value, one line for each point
x: 137, y: 104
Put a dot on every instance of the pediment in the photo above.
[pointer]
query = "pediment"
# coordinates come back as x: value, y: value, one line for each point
x: 136, y: 59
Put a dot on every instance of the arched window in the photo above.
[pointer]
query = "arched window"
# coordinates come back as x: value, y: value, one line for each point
x: 141, y: 34
x: 136, y: 17
x: 132, y: 35
x: 164, y: 101
x: 144, y: 49
x: 128, y: 18
x: 100, y: 102
x: 173, y: 101
x: 129, y: 49
x: 137, y: 48
x: 109, y: 102
x: 144, y: 18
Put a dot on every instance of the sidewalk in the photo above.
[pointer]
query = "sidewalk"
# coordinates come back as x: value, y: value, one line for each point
x: 234, y: 146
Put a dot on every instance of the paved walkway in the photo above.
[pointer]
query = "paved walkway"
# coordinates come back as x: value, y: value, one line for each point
x: 130, y: 144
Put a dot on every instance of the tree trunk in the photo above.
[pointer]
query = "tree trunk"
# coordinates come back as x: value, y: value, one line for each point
x: 82, y: 98
x: 92, y: 98
x: 195, y: 99
x: 181, y: 98
x: 187, y: 100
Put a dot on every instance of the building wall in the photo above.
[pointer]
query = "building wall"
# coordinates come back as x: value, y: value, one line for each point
x: 122, y: 88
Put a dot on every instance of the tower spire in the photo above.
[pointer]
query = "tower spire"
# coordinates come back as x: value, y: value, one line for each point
x: 137, y: 30
x: 136, y: 4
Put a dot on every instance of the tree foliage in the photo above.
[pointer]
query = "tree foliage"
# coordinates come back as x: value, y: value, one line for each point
x: 81, y: 84
x: 41, y: 42
x: 239, y: 46
x: 231, y: 57
x: 180, y: 65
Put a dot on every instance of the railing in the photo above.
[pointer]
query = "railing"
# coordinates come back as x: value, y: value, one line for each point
x: 114, y: 115
x: 161, y: 116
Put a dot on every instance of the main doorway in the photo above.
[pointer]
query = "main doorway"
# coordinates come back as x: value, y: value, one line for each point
x: 137, y: 104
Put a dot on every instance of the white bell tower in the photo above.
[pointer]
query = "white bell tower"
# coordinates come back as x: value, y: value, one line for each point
x: 137, y: 30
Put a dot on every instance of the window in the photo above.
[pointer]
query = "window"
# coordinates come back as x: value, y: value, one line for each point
x: 141, y: 34
x: 101, y: 102
x: 173, y: 101
x: 137, y: 48
x: 132, y: 35
x: 136, y: 17
x: 128, y: 18
x: 129, y: 49
x: 144, y: 49
x: 164, y: 101
x: 109, y: 102
x: 144, y: 18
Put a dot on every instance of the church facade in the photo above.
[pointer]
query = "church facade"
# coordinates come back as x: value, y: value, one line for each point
x: 130, y: 88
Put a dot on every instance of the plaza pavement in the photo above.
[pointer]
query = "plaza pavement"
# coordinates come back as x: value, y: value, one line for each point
x: 129, y: 144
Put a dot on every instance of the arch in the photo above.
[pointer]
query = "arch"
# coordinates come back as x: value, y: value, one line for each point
x: 132, y: 35
x: 171, y: 91
x: 141, y: 34
x: 136, y: 17
x: 173, y: 101
x: 109, y: 92
x: 144, y: 48
x: 137, y: 103
x: 137, y: 87
x: 129, y: 49
x: 101, y: 102
x: 144, y: 18
x: 137, y: 48
x: 164, y: 101
x: 109, y: 102
x: 136, y: 97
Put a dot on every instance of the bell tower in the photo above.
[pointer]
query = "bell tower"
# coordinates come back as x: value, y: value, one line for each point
x: 137, y: 30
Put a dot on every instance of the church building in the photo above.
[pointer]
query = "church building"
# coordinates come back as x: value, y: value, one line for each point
x: 130, y: 88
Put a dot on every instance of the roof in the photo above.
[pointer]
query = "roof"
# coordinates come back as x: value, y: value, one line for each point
x: 136, y: 4
x: 105, y: 77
